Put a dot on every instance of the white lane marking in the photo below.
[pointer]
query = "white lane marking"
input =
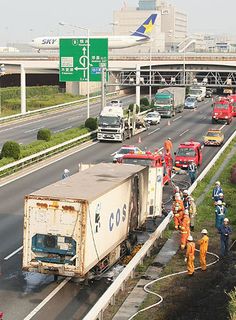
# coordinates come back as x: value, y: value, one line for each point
x: 13, y: 253
x: 183, y: 132
x: 153, y: 131
x: 46, y: 165
x: 75, y: 117
x: 224, y: 125
x: 177, y: 118
x: 31, y: 130
x: 48, y: 298
x: 63, y: 129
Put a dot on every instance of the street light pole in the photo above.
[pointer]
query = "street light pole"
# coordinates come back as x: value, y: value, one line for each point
x: 150, y: 74
x: 88, y: 61
x: 2, y: 72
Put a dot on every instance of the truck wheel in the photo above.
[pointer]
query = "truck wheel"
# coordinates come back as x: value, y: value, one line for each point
x: 213, y: 121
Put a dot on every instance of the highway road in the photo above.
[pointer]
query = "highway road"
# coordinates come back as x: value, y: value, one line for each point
x: 20, y: 293
x: 25, y: 130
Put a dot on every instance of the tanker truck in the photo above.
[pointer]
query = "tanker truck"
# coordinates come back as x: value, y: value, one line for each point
x: 81, y: 226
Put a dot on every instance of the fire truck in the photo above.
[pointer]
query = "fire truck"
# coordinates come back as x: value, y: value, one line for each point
x: 153, y: 160
x: 188, y: 152
x: 222, y: 110
x: 233, y: 99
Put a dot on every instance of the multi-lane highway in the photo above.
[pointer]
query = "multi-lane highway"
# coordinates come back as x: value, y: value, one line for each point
x: 25, y: 130
x: 21, y: 293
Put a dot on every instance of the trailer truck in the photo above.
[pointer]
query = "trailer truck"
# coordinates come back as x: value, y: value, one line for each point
x: 82, y: 225
x: 115, y: 125
x: 169, y: 101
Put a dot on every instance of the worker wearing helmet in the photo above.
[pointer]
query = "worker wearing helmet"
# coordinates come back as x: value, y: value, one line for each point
x: 203, y: 243
x: 66, y: 174
x: 192, y: 171
x: 216, y: 191
x: 184, y: 229
x: 192, y: 211
x: 190, y: 255
x: 178, y: 210
x: 220, y: 213
x: 185, y: 201
x: 225, y: 230
x: 168, y: 146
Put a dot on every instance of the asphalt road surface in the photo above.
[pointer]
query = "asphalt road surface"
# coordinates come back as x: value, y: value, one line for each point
x: 20, y: 293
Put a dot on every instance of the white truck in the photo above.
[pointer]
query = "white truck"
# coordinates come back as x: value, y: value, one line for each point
x: 114, y: 125
x: 82, y: 225
x: 197, y: 92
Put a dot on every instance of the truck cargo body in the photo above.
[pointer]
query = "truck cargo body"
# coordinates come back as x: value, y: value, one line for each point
x: 169, y: 101
x: 197, y: 92
x: 73, y: 225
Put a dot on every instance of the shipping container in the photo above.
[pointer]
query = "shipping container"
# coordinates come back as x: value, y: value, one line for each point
x: 79, y: 225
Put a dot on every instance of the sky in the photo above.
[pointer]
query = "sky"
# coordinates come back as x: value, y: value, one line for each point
x: 27, y: 19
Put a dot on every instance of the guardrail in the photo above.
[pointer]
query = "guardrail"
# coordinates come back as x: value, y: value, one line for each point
x: 19, y: 164
x: 109, y: 296
x: 39, y: 156
x: 57, y: 106
x: 96, y: 313
x: 212, y: 162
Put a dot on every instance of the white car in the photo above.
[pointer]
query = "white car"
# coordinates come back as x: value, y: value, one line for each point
x: 117, y: 156
x: 153, y: 117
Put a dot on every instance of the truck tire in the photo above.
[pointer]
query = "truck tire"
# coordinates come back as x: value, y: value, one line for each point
x: 213, y: 121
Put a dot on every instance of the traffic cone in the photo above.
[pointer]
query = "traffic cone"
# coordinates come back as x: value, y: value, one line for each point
x: 168, y: 123
x: 139, y: 140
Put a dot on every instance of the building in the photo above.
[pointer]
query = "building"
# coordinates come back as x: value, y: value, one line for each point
x: 170, y: 28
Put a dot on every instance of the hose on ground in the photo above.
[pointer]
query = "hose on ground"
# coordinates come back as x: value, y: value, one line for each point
x: 165, y: 277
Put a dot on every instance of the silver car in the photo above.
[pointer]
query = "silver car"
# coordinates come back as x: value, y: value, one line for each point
x: 153, y: 117
x: 190, y: 103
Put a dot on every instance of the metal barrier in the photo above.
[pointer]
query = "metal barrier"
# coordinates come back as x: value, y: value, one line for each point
x: 58, y: 106
x: 109, y: 296
x: 17, y: 165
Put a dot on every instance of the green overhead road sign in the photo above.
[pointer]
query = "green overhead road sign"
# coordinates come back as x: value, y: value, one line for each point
x: 74, y: 59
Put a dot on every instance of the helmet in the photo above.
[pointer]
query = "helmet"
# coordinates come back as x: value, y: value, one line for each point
x: 217, y: 183
x: 169, y: 138
x: 221, y: 194
x: 66, y: 171
x: 204, y: 231
x: 186, y: 192
x: 226, y: 220
x: 177, y: 196
x: 190, y: 238
x: 176, y: 188
x: 219, y: 202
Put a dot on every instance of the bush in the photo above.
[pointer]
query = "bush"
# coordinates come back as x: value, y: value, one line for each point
x: 144, y: 108
x: 91, y: 124
x: 44, y: 134
x: 11, y: 149
x: 144, y: 101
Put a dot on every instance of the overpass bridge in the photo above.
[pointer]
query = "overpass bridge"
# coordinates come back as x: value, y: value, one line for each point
x: 156, y: 69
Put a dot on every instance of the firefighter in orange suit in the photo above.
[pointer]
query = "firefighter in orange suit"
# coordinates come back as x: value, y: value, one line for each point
x: 190, y: 255
x: 203, y: 243
x: 178, y: 210
x: 168, y: 146
x: 184, y: 229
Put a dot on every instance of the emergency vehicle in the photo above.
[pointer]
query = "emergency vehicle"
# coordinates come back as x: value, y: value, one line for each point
x: 154, y: 160
x: 222, y: 110
x: 233, y: 98
x: 187, y: 153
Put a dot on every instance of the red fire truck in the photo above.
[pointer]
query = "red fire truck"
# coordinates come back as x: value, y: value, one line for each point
x: 152, y: 160
x: 188, y: 152
x: 222, y: 110
x: 233, y: 98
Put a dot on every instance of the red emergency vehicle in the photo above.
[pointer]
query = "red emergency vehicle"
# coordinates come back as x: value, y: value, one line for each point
x: 233, y: 98
x: 187, y: 153
x: 152, y: 160
x: 222, y: 110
